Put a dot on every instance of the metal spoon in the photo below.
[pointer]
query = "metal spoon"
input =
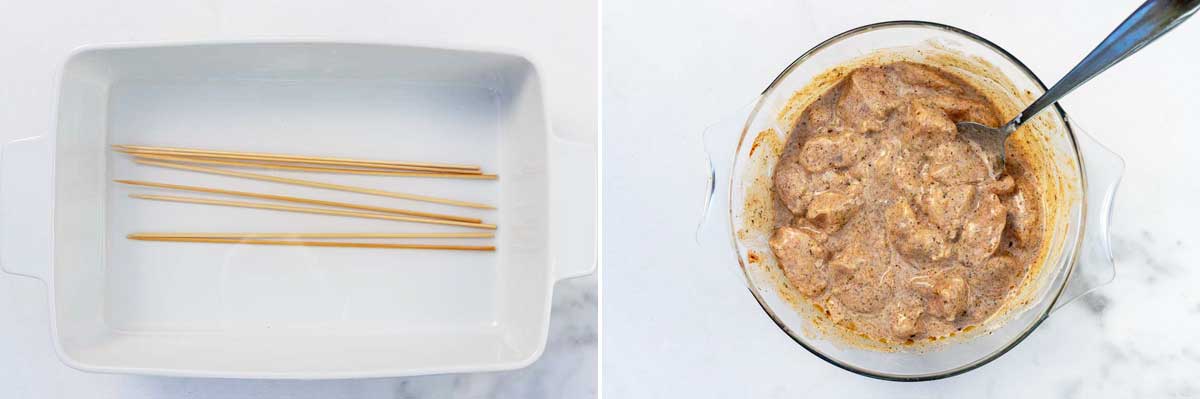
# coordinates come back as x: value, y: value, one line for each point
x: 1153, y: 19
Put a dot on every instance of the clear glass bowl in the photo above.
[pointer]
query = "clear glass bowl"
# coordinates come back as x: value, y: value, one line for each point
x: 1078, y: 258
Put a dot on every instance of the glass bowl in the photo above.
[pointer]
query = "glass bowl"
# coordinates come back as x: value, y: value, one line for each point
x: 1081, y: 176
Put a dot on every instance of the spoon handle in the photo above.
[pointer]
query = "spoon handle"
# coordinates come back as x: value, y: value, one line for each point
x: 1153, y: 19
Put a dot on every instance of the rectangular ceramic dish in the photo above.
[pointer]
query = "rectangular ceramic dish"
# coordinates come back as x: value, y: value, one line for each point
x: 296, y: 312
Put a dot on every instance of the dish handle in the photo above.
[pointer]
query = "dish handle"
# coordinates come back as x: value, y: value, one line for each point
x: 25, y: 206
x: 714, y: 233
x: 1102, y: 169
x: 573, y: 210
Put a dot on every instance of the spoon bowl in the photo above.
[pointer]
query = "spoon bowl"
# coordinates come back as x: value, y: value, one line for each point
x: 988, y: 141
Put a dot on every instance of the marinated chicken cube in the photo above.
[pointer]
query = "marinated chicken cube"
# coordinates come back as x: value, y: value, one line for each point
x: 864, y: 102
x: 904, y: 317
x: 791, y: 186
x: 966, y: 110
x: 923, y: 127
x: 911, y: 238
x: 1002, y: 186
x: 907, y: 175
x: 955, y: 162
x: 830, y: 210
x: 820, y: 118
x: 867, y: 290
x: 835, y: 310
x: 927, y: 78
x: 801, y: 258
x: 900, y: 218
x: 996, y: 276
x: 982, y: 231
x: 947, y: 297
x: 946, y: 206
x: 832, y: 152
x: 923, y: 244
x: 1023, y: 218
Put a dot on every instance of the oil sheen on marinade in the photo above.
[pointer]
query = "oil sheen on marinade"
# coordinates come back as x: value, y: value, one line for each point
x: 891, y: 222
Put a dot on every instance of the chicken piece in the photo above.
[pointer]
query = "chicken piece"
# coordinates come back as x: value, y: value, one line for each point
x: 1003, y: 186
x: 863, y: 169
x: 996, y: 276
x: 832, y: 152
x: 813, y: 233
x: 791, y: 185
x: 859, y: 284
x: 946, y: 206
x: 925, y: 77
x: 835, y: 310
x: 1023, y: 219
x: 819, y: 117
x: 922, y: 126
x: 864, y: 100
x: 961, y: 109
x: 904, y: 317
x: 937, y: 327
x: 946, y: 296
x: 982, y: 232
x: 923, y: 244
x: 899, y: 219
x: 830, y: 210
x: 876, y: 157
x: 910, y: 238
x: 801, y: 258
x: 829, y: 180
x: 955, y: 162
x: 845, y: 264
x: 907, y: 173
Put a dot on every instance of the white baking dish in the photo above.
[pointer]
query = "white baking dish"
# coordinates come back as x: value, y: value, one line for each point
x: 295, y: 312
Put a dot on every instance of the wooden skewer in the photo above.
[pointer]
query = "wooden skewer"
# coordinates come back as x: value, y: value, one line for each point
x: 310, y: 183
x: 319, y: 243
x: 301, y: 209
x: 305, y: 157
x: 262, y: 165
x: 300, y: 200
x: 449, y: 168
x: 317, y: 162
x: 310, y: 235
x: 289, y: 160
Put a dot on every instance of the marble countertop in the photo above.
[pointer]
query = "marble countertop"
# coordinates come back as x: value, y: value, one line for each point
x: 677, y: 324
x: 36, y: 36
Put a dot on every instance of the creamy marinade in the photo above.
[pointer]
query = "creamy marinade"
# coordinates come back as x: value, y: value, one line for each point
x: 890, y: 222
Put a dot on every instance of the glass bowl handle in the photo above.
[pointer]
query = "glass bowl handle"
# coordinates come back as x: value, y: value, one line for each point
x: 714, y: 233
x: 1102, y: 169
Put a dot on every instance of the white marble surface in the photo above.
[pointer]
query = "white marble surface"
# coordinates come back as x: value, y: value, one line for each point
x: 678, y: 325
x: 35, y: 36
